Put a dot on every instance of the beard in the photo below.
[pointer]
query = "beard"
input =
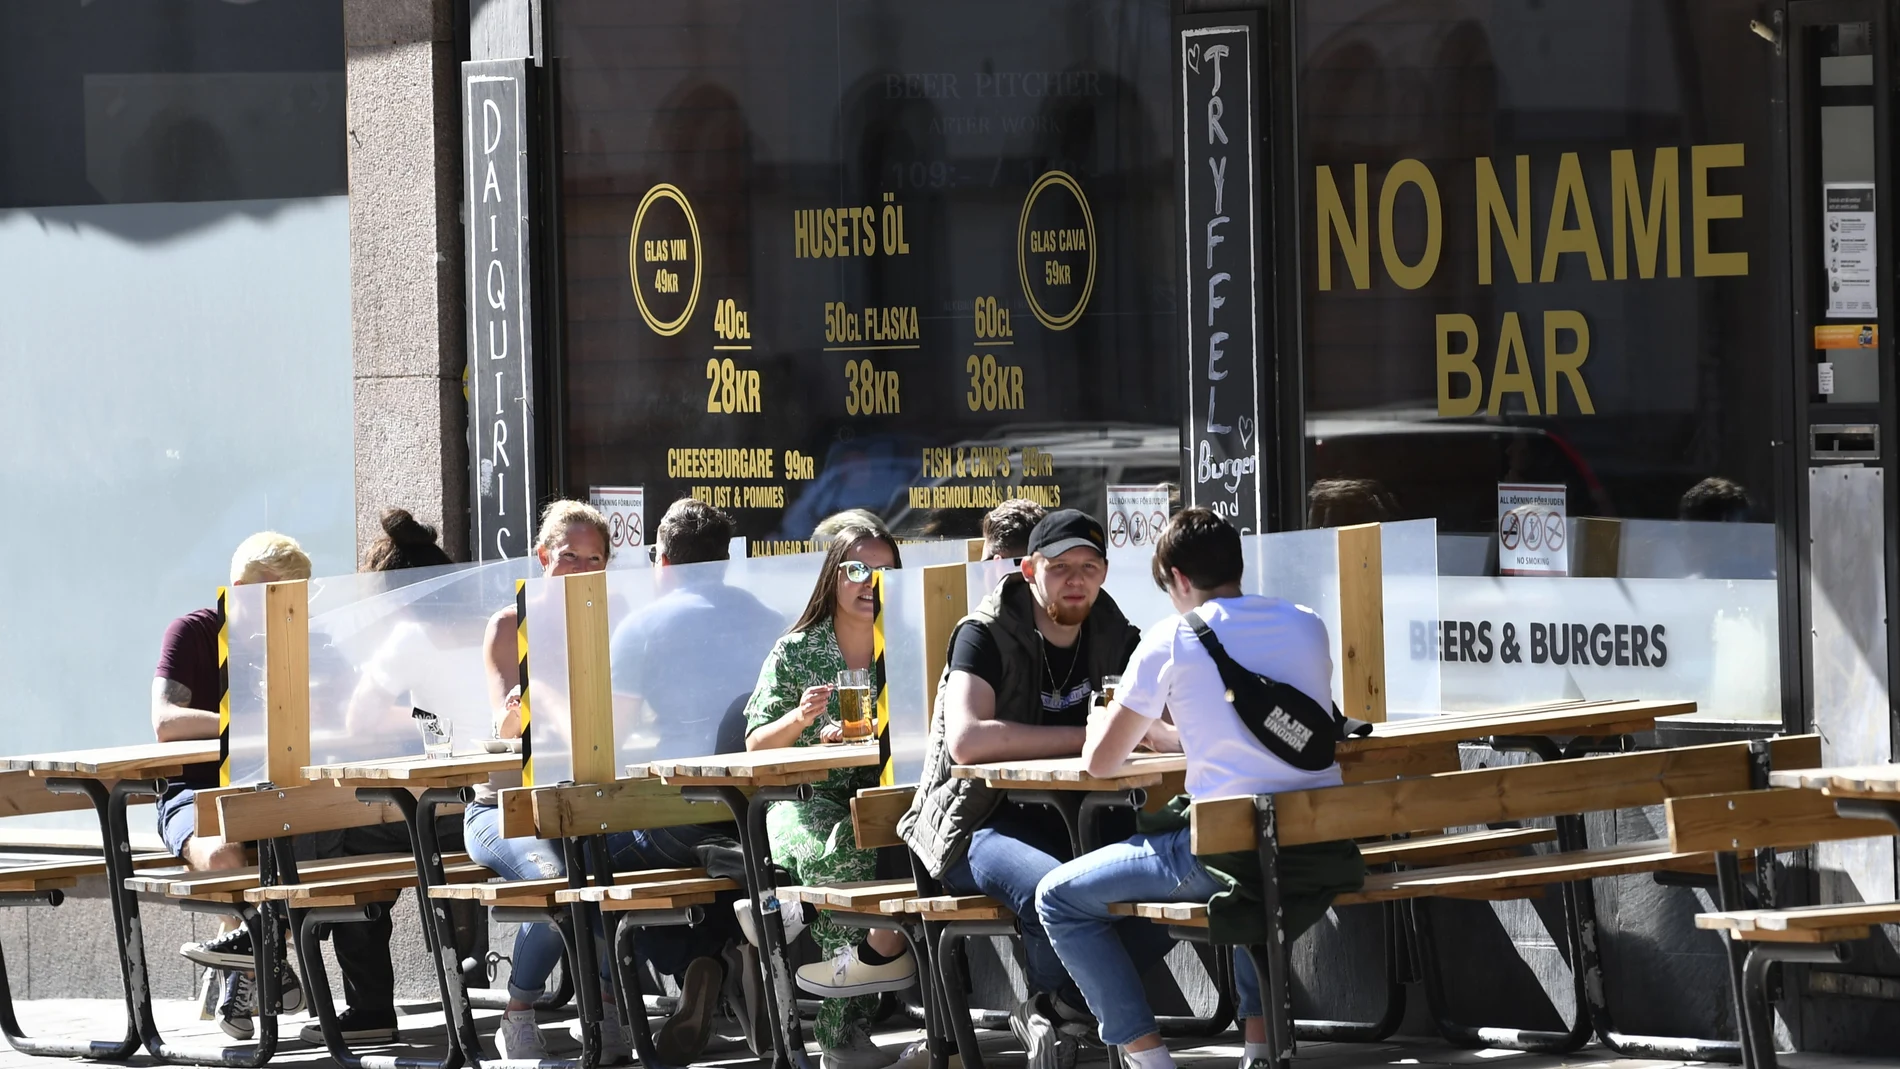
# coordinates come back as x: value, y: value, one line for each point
x: 1069, y: 615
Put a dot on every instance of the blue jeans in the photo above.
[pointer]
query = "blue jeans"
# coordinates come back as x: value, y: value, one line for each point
x: 538, y: 946
x: 1073, y: 902
x: 1007, y: 860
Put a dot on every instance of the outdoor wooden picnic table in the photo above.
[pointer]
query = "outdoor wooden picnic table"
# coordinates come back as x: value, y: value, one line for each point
x: 746, y: 784
x: 1566, y: 720
x: 1846, y: 781
x: 781, y: 767
x: 1072, y: 774
x: 110, y: 778
x: 416, y: 770
x: 1859, y: 791
x: 149, y: 760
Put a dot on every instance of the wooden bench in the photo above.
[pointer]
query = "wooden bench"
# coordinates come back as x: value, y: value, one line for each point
x: 61, y: 873
x: 1434, y: 803
x: 634, y: 886
x: 1817, y: 934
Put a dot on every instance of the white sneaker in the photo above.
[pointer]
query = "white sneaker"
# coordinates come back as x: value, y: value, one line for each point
x: 857, y: 1053
x: 614, y: 1047
x: 917, y: 1056
x: 791, y: 915
x: 519, y: 1037
x: 847, y: 974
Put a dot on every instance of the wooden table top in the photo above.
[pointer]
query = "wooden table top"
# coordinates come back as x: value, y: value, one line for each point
x: 417, y: 770
x: 759, y: 768
x: 1070, y: 773
x: 1556, y: 721
x: 1145, y: 770
x: 146, y: 760
x: 1846, y: 781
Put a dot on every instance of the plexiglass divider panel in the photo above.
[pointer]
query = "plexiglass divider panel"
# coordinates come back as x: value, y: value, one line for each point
x: 1302, y: 567
x: 1409, y: 555
x: 381, y: 644
x: 906, y: 681
x: 936, y: 551
x: 244, y: 676
x: 376, y: 661
x: 686, y: 649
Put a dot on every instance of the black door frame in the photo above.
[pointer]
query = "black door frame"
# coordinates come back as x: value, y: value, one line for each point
x: 1801, y: 141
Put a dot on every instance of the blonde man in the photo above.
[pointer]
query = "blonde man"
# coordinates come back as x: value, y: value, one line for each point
x: 185, y: 691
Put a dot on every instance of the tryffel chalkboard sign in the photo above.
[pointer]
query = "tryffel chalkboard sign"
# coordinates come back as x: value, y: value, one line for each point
x: 1224, y: 314
x: 501, y: 315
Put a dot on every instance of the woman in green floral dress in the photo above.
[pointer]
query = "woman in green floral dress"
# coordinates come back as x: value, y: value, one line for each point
x: 814, y: 839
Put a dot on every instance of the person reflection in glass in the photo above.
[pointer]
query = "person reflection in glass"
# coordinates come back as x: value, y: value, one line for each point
x: 677, y: 661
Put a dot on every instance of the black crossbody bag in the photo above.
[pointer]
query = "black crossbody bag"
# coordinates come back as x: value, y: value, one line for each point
x: 1286, y: 720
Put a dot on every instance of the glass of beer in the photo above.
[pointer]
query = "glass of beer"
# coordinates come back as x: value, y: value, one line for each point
x: 855, y: 711
x: 1110, y: 686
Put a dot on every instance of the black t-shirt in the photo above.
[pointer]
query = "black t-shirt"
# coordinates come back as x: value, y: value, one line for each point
x: 1065, y: 685
x: 189, y: 657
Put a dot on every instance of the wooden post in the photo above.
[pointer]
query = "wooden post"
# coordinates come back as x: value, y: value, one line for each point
x: 946, y: 600
x: 974, y: 547
x: 1362, y: 623
x: 1599, y: 549
x: 286, y: 681
x: 590, y: 698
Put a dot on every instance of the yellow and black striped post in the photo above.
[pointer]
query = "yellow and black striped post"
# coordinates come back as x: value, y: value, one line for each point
x: 521, y: 653
x: 886, y: 772
x: 224, y: 692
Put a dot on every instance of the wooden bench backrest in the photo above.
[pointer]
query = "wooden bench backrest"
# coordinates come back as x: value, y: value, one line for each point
x: 874, y: 814
x: 1750, y: 820
x: 598, y: 809
x: 267, y: 814
x: 1487, y: 795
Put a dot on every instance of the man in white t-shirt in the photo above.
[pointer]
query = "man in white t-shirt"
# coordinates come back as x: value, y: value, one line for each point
x: 1172, y: 698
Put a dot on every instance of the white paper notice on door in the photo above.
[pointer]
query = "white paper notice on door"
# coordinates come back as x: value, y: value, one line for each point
x: 1848, y: 244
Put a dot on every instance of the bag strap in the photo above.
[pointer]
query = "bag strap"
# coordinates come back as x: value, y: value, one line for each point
x: 1232, y: 670
x: 1229, y: 668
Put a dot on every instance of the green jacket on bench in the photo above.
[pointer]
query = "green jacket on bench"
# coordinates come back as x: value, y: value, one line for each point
x: 1311, y: 876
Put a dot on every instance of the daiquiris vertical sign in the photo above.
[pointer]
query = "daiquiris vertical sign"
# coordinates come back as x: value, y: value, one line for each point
x: 500, y: 328
x: 1222, y: 306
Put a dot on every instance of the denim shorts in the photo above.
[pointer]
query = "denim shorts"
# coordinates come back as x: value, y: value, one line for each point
x: 177, y: 819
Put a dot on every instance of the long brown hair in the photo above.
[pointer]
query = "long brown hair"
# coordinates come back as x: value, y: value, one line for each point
x: 824, y: 596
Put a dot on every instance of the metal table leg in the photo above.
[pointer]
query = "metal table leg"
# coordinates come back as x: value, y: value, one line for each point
x: 438, y: 929
x: 110, y: 807
x: 754, y: 844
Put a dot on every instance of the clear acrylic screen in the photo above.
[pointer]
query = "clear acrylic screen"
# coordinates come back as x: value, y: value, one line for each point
x: 381, y: 645
x: 685, y: 646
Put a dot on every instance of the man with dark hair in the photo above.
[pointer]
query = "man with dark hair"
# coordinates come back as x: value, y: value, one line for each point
x: 677, y: 665
x: 1173, y: 676
x: 1715, y: 500
x: 1017, y: 685
x: 1006, y: 528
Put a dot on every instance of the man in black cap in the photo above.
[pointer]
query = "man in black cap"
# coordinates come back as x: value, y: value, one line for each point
x: 1016, y: 687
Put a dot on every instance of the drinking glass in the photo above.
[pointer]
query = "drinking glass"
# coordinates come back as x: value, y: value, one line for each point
x: 1110, y: 686
x: 855, y: 710
x: 436, y: 740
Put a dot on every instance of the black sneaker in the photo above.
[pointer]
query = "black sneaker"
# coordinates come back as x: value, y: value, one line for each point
x: 238, y: 1006
x: 232, y: 950
x: 289, y: 988
x: 357, y: 1027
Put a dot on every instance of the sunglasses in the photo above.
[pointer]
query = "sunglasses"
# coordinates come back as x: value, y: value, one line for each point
x: 857, y: 571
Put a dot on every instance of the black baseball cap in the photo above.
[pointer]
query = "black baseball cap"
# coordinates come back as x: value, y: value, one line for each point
x: 1064, y: 530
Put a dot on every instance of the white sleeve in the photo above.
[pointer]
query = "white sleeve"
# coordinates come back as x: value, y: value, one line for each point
x: 1144, y: 688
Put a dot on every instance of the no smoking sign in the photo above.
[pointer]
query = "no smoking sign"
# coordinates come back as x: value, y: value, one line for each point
x: 1532, y: 531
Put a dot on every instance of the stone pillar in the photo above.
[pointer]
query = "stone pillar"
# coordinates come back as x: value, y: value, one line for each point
x: 406, y: 285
